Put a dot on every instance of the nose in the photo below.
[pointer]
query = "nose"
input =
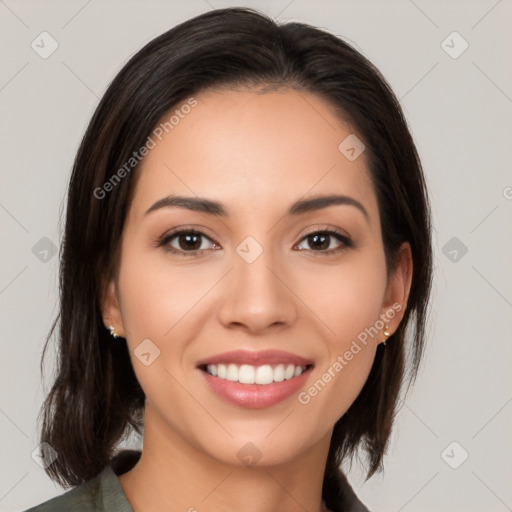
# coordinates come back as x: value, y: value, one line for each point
x: 258, y: 297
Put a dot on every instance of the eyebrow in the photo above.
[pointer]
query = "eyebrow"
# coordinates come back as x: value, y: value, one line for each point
x: 203, y: 205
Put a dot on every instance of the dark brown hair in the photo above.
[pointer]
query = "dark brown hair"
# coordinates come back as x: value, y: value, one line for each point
x: 96, y: 398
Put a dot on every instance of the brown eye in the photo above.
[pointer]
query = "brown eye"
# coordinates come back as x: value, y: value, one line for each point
x: 185, y: 241
x: 320, y: 241
x: 189, y: 241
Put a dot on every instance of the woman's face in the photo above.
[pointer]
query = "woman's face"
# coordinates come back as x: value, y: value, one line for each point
x: 253, y: 278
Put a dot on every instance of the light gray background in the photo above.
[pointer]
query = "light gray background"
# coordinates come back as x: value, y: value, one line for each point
x: 459, y: 110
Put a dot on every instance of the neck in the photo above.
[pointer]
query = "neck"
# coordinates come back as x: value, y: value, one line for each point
x: 173, y: 475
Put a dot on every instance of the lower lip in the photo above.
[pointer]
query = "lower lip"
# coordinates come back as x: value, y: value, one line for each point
x: 255, y: 396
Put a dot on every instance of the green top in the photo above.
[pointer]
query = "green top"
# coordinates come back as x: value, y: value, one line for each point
x: 104, y: 493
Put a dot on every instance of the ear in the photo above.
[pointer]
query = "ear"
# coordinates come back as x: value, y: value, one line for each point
x: 111, y: 310
x: 398, y: 288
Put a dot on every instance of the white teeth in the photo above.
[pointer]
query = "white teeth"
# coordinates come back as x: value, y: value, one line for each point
x: 247, y: 374
x: 288, y: 373
x: 221, y: 371
x: 264, y: 374
x: 232, y: 372
x: 279, y: 373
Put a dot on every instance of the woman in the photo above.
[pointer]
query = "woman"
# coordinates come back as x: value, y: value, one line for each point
x: 247, y: 241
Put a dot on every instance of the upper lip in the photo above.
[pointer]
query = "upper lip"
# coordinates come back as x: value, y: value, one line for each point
x: 253, y: 358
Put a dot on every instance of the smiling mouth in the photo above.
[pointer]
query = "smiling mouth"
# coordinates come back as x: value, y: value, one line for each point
x: 250, y: 374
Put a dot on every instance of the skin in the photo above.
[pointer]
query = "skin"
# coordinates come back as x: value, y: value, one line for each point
x: 256, y: 154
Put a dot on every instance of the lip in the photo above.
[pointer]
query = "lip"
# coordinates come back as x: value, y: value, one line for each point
x: 255, y: 358
x: 256, y: 396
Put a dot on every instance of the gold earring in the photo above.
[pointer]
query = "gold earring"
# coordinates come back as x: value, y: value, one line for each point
x: 386, y: 333
x: 113, y: 332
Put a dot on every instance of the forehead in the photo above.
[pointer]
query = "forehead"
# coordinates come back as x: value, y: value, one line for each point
x: 243, y: 148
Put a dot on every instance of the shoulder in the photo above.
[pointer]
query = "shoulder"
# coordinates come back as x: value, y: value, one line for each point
x: 100, y: 494
x: 341, y: 495
x: 85, y: 497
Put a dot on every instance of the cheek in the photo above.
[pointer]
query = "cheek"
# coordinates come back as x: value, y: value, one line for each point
x: 343, y: 381
x: 348, y: 303
x: 347, y: 298
x: 156, y: 299
x: 164, y: 302
x: 155, y: 294
x: 345, y: 369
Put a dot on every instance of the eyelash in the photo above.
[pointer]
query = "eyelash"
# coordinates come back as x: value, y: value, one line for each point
x: 165, y: 239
